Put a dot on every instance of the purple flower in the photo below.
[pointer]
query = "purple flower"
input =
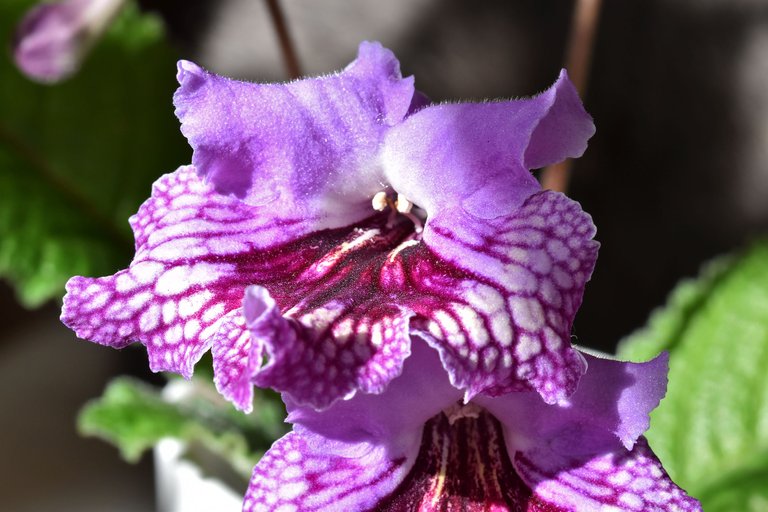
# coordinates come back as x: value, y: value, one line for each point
x: 417, y: 447
x: 53, y: 38
x: 406, y: 280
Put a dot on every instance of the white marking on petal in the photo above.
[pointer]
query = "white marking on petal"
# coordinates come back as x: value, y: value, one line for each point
x: 527, y: 313
x: 213, y: 312
x: 528, y: 347
x: 404, y: 245
x: 179, y: 279
x: 551, y: 340
x: 173, y: 335
x: 191, y: 329
x: 146, y: 272
x: 473, y: 325
x: 98, y: 301
x: 139, y: 300
x: 483, y: 297
x: 502, y: 328
x: 169, y: 312
x: 190, y: 305
x: 447, y: 323
x: 125, y: 283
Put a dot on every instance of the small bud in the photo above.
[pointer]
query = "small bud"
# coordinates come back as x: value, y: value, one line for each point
x: 52, y: 39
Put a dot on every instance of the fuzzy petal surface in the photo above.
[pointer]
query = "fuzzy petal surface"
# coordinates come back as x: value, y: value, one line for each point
x: 478, y: 155
x: 309, y: 146
x: 613, y: 397
x: 418, y: 393
x: 305, y: 472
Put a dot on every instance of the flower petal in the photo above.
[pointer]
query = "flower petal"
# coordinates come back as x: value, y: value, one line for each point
x: 234, y: 356
x: 309, y: 473
x: 351, y: 455
x: 196, y: 251
x: 478, y: 155
x: 331, y: 351
x: 585, y: 453
x: 309, y: 146
x: 417, y: 394
x: 509, y: 326
x: 613, y: 397
x: 611, y: 479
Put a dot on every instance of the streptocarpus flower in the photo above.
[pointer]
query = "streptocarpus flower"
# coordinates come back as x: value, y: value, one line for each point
x: 52, y: 38
x: 284, y: 194
x: 388, y: 258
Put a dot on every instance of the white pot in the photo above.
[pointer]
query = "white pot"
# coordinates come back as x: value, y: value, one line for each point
x: 181, y: 483
x: 182, y: 487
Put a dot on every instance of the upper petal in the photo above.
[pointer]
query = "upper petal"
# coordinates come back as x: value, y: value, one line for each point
x: 309, y: 146
x: 478, y: 155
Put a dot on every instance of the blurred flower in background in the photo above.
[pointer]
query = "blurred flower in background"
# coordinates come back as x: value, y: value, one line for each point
x: 53, y: 38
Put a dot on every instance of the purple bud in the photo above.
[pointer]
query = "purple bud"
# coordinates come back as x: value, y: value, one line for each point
x: 52, y: 39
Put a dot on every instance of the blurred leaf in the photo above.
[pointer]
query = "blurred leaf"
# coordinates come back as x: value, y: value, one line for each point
x: 134, y: 416
x: 711, y: 430
x: 77, y: 159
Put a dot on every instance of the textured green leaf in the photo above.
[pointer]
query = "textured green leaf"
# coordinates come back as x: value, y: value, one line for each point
x: 711, y: 430
x: 134, y: 416
x: 77, y: 159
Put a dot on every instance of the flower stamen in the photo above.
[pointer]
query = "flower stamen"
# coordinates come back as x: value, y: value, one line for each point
x: 402, y: 205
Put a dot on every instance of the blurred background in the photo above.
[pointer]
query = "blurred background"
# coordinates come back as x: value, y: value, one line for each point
x: 676, y: 174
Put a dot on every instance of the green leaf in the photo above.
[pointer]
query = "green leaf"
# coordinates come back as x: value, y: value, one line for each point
x: 711, y: 430
x: 134, y: 416
x: 78, y: 158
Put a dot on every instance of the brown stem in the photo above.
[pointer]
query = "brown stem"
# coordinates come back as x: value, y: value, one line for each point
x: 583, y: 28
x: 290, y: 60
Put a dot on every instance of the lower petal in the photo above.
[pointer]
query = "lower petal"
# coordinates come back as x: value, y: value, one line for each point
x: 508, y: 322
x: 609, y: 480
x: 234, y: 356
x: 196, y: 251
x: 330, y: 351
x: 310, y: 473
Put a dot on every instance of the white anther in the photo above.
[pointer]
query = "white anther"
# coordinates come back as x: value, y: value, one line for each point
x: 379, y: 201
x: 403, y: 204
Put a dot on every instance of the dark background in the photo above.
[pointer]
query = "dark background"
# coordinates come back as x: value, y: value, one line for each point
x: 676, y: 174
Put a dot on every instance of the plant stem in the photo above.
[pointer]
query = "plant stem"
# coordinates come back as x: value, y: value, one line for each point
x: 580, y: 45
x: 287, y: 49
